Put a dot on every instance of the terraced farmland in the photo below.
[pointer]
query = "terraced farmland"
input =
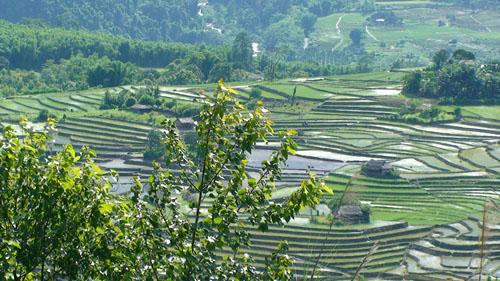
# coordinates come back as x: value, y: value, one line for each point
x: 452, y: 252
x: 343, y: 250
x: 427, y: 26
x: 447, y: 172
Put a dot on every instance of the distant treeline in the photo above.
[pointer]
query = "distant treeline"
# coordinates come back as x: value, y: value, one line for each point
x: 456, y: 79
x: 35, y: 58
x: 30, y: 46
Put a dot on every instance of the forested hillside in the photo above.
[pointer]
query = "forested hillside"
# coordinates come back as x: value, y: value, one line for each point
x: 35, y: 58
x: 184, y: 21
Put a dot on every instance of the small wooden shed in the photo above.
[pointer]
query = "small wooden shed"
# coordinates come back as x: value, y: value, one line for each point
x: 186, y: 123
x: 352, y: 214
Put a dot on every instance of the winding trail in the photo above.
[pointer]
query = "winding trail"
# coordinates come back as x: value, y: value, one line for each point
x: 201, y: 5
x: 339, y: 33
x: 370, y: 34
x: 480, y: 23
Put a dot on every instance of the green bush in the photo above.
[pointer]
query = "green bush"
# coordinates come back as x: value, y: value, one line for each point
x: 131, y: 101
x: 44, y: 115
x: 255, y: 94
x: 147, y: 100
x: 154, y: 147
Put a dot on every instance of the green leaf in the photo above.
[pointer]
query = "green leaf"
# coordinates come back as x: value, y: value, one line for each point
x: 106, y: 208
x: 326, y: 188
x: 14, y: 244
x: 100, y: 230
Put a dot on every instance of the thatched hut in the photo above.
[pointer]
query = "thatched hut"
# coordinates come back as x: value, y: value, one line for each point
x: 185, y: 123
x: 377, y: 168
x: 352, y: 214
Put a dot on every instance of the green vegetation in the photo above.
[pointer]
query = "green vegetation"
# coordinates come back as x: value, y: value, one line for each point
x: 182, y: 21
x: 81, y: 231
x: 154, y: 147
x: 149, y: 96
x: 474, y: 4
x: 456, y: 79
x: 425, y: 115
x: 39, y: 59
x: 446, y: 170
x: 391, y: 103
x: 44, y: 115
x: 398, y: 33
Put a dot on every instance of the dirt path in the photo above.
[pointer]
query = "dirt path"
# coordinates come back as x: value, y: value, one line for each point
x: 339, y: 33
x: 201, y: 5
x: 480, y: 23
x: 370, y: 34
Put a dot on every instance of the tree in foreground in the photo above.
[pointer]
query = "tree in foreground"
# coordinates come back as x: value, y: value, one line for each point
x: 58, y: 220
x: 52, y: 211
x: 226, y: 198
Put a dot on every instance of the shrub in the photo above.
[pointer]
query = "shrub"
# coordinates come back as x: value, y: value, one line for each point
x: 147, y: 100
x: 170, y: 104
x: 44, y: 115
x: 131, y: 101
x: 154, y: 148
x: 255, y: 93
x: 252, y: 104
x: 338, y: 223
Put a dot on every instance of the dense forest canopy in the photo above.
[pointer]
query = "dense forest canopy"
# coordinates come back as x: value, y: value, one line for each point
x: 183, y: 21
x: 30, y: 46
x: 165, y: 19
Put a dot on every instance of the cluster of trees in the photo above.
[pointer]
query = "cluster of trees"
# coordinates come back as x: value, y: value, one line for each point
x: 125, y: 98
x: 59, y: 221
x: 149, y: 96
x: 30, y: 46
x: 145, y: 19
x: 75, y: 73
x: 278, y: 25
x: 456, y: 78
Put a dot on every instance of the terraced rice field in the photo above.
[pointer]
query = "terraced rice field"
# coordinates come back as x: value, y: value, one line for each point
x: 447, y: 171
x: 451, y: 252
x: 343, y: 249
x: 58, y: 103
x: 419, y: 33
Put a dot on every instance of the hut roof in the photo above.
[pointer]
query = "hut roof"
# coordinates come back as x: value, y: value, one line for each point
x: 186, y: 120
x: 350, y: 211
x: 376, y: 164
